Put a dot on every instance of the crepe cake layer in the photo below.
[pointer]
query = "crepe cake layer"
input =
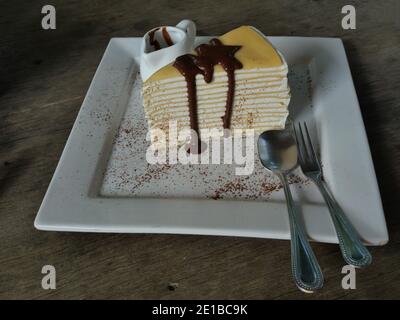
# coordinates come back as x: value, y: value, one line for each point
x: 261, y: 93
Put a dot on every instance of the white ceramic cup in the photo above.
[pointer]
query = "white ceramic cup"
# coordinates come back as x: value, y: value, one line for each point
x: 182, y: 35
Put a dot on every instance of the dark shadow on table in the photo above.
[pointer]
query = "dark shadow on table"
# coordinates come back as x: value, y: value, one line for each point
x: 378, y: 142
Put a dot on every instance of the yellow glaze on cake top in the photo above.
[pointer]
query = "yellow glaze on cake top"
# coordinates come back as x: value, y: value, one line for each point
x: 256, y: 52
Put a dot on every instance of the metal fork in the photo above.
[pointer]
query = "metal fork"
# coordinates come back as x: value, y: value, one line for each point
x: 353, y: 251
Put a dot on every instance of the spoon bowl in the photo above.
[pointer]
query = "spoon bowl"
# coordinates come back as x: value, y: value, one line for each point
x: 277, y: 151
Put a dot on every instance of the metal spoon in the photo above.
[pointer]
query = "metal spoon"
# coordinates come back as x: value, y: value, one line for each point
x: 278, y: 153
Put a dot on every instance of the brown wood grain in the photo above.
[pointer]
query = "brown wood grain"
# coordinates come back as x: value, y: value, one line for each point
x: 43, y: 80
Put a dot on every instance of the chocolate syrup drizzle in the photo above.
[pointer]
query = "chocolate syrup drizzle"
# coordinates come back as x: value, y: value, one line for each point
x: 208, y: 55
x: 167, y: 37
x: 154, y: 42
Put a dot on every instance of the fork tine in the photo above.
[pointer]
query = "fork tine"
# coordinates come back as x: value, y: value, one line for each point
x: 304, y: 145
x: 311, y: 147
x: 299, y: 146
x: 297, y: 141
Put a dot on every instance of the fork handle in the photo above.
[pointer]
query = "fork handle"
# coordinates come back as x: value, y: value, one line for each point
x: 305, y: 268
x: 353, y: 251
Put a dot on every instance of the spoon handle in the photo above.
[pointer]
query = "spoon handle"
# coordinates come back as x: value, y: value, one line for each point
x: 353, y: 251
x: 305, y: 268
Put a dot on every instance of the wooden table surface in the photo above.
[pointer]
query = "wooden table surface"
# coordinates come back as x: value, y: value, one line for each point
x: 44, y: 78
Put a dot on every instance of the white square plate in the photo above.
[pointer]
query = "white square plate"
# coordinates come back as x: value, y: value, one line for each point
x: 103, y: 184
